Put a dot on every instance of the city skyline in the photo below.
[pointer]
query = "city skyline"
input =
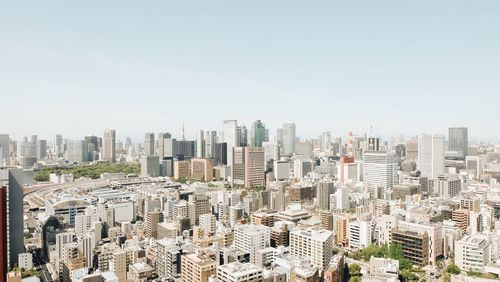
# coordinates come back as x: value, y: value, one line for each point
x: 330, y: 66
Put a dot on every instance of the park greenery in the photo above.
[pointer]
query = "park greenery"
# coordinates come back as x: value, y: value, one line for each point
x: 453, y: 269
x: 392, y: 251
x: 92, y: 171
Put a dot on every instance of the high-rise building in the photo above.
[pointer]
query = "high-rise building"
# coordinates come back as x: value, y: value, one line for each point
x: 458, y: 141
x: 248, y: 168
x: 315, y: 244
x: 200, y: 145
x: 11, y: 218
x: 109, y: 146
x: 448, y: 186
x: 41, y: 149
x: 373, y: 144
x: 150, y: 166
x: 4, y: 146
x: 326, y: 141
x: 380, y: 169
x: 149, y: 144
x: 210, y: 145
x: 77, y: 151
x: 289, y: 138
x: 431, y: 155
x: 323, y: 191
x: 221, y: 154
x: 251, y: 237
x: 258, y: 134
x: 230, y: 138
x: 201, y: 170
x: 58, y: 145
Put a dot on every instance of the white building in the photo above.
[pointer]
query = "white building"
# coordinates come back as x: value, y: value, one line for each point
x: 380, y: 169
x: 251, y: 238
x: 472, y: 252
x: 360, y: 233
x: 231, y: 138
x: 25, y: 260
x: 316, y: 244
x: 239, y: 272
x: 431, y: 155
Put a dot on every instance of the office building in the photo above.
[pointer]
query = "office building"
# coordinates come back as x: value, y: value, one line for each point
x: 248, y: 167
x: 448, y: 186
x: 289, y: 138
x: 77, y: 151
x: 360, y: 233
x: 109, y: 146
x: 149, y: 144
x: 473, y: 252
x: 201, y: 170
x: 230, y: 138
x: 11, y: 218
x: 181, y: 169
x: 458, y: 141
x: 415, y: 245
x: 431, y: 155
x: 200, y: 145
x: 251, y: 237
x: 316, y: 244
x: 373, y: 144
x: 258, y: 134
x: 4, y: 147
x: 150, y: 166
x: 380, y: 169
x: 197, y: 268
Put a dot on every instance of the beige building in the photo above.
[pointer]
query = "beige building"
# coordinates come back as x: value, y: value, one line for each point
x: 139, y: 272
x: 201, y: 170
x: 197, y: 268
x: 181, y: 169
x: 472, y: 252
x: 316, y: 244
x: 248, y: 167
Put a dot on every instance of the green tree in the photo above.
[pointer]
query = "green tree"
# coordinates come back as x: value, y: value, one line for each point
x: 372, y: 250
x: 355, y: 269
x: 453, y: 269
x: 407, y: 275
x: 404, y: 264
x: 355, y: 279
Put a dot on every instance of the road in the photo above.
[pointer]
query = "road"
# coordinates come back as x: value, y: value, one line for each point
x: 41, y: 267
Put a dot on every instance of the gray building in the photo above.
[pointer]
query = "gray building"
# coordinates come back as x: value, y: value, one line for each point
x: 149, y: 144
x: 458, y: 141
x: 150, y: 166
x: 11, y: 198
x: 4, y: 146
x: 289, y: 138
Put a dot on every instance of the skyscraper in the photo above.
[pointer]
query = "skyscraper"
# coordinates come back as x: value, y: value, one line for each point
x: 210, y: 144
x: 326, y: 140
x: 149, y: 144
x: 458, y: 141
x: 289, y: 138
x: 109, y: 146
x: 11, y: 218
x: 258, y: 134
x: 4, y: 146
x: 58, y: 145
x: 431, y: 155
x: 230, y: 138
x: 380, y: 169
x: 200, y: 144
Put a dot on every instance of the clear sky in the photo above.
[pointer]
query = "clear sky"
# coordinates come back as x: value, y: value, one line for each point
x: 77, y: 67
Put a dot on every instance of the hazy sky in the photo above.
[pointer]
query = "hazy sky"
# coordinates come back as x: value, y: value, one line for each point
x: 77, y: 67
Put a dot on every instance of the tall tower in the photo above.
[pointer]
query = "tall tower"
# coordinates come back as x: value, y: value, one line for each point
x: 11, y: 218
x: 149, y: 144
x: 230, y: 138
x: 431, y: 155
x: 289, y: 138
x: 109, y: 146
x: 458, y: 140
